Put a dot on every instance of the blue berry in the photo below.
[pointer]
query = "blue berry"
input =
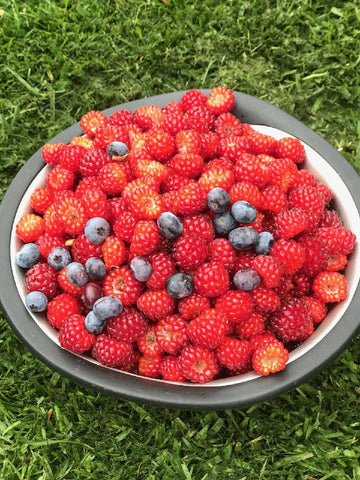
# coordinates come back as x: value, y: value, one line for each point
x: 243, y: 238
x: 97, y: 229
x: 170, y: 225
x: 58, y: 258
x: 141, y: 268
x: 264, y: 243
x: 243, y: 212
x: 28, y: 255
x: 117, y: 149
x: 179, y: 285
x: 107, y: 307
x: 218, y: 200
x: 224, y: 223
x: 76, y: 274
x: 247, y: 279
x: 36, y: 301
x: 95, y: 268
x: 93, y: 324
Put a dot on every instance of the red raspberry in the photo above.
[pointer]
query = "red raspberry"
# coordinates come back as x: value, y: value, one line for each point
x: 208, y: 329
x: 271, y: 357
x: 273, y: 199
x: 114, y: 252
x: 30, y: 227
x: 145, y: 238
x: 232, y: 147
x: 198, y: 364
x: 122, y: 117
x: 199, y: 225
x: 330, y: 287
x: 292, y: 321
x: 124, y: 226
x: 325, y: 191
x: 111, y: 352
x: 126, y: 168
x: 222, y: 252
x: 63, y: 195
x: 249, y: 169
x: 41, y: 199
x: 234, y: 353
x: 68, y: 287
x: 121, y: 283
x: 209, y: 145
x: 190, y: 251
x: 41, y: 278
x: 174, y: 122
x: 254, y: 325
x: 60, y: 179
x: 74, y: 337
x: 211, y: 280
x: 117, y: 207
x: 148, y: 344
x: 304, y: 178
x: 72, y: 215
x: 82, y: 249
x: 246, y: 191
x: 111, y: 133
x: 221, y: 100
x: 330, y: 218
x: 244, y: 259
x: 190, y: 199
x: 71, y: 157
x: 91, y: 121
x: 86, y: 183
x: 152, y: 168
x: 83, y: 141
x: 236, y: 305
x: 193, y: 98
x: 336, y: 263
x: 307, y: 198
x: 171, y: 334
x: 200, y: 119
x: 259, y: 340
x: 148, y: 182
x: 149, y: 116
x: 283, y: 173
x: 174, y: 107
x: 216, y: 177
x: 91, y: 163
x: 150, y: 367
x: 160, y: 145
x: 346, y: 240
x: 290, y: 223
x: 112, y: 178
x: 156, y: 304
x: 317, y: 308
x: 188, y: 164
x: 269, y: 269
x: 290, y: 254
x: 168, y: 202
x: 129, y: 326
x: 174, y: 183
x: 188, y: 141
x: 145, y: 203
x: 290, y: 148
x: 265, y: 300
x: 138, y: 153
x: 328, y: 236
x: 301, y: 283
x: 163, y: 267
x: 227, y: 124
x: 47, y: 242
x: 222, y: 163
x: 52, y: 152
x: 60, y: 308
x: 316, y: 256
x: 193, y: 305
x: 96, y: 203
x: 170, y: 371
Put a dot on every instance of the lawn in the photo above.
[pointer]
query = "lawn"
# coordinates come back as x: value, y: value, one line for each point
x: 59, y: 59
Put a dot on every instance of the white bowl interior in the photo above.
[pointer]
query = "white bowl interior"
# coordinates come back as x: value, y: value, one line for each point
x: 344, y: 204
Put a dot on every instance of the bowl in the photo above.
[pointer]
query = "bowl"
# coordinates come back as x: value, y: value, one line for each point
x: 329, y: 340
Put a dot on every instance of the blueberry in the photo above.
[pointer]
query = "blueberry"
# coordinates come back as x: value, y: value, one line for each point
x: 97, y: 229
x: 218, y: 200
x: 95, y: 268
x: 179, y: 285
x: 224, y: 223
x: 141, y: 268
x: 117, y: 149
x: 243, y: 238
x: 36, y: 301
x: 247, y: 279
x: 28, y: 255
x: 107, y: 307
x: 170, y: 225
x: 76, y: 274
x: 58, y: 258
x: 93, y: 324
x: 92, y: 292
x: 243, y: 212
x: 264, y: 243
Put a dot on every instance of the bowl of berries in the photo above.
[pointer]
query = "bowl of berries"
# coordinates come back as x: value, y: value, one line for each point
x: 192, y: 250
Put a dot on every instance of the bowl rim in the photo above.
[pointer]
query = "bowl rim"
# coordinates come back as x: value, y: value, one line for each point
x: 250, y: 110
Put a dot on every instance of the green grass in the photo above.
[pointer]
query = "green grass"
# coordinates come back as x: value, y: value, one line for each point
x: 61, y: 58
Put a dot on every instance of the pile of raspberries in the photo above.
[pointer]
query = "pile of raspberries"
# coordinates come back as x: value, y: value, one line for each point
x: 212, y: 252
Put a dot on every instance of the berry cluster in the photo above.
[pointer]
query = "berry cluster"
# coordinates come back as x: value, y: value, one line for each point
x: 180, y: 243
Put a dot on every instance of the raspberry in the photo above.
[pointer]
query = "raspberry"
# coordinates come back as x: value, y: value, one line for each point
x: 221, y: 100
x: 30, y: 227
x: 254, y: 325
x: 83, y: 141
x: 307, y: 198
x: 148, y: 344
x: 129, y: 326
x: 301, y: 283
x: 92, y: 121
x: 273, y: 199
x: 190, y: 199
x: 216, y: 177
x: 145, y: 238
x: 290, y: 223
x: 330, y: 287
x: 236, y: 305
x: 41, y: 199
x: 156, y: 304
x: 283, y: 173
x: 112, y: 178
x: 41, y: 278
x: 330, y: 218
x: 193, y: 98
x: 160, y: 145
x: 346, y: 240
x: 269, y: 269
x: 174, y: 122
x: 232, y: 147
x: 74, y: 337
x: 190, y: 251
x: 124, y: 226
x: 52, y: 152
x: 130, y: 188
x: 170, y: 371
x: 60, y: 308
x: 222, y: 163
x: 71, y: 157
x: 152, y: 168
x: 227, y: 124
x: 317, y: 308
x: 163, y: 267
x: 60, y: 179
x: 68, y: 287
x: 304, y: 178
x: 91, y: 163
x: 208, y: 329
x: 260, y: 340
x: 117, y: 207
x: 222, y: 252
x: 188, y: 164
x: 245, y: 191
x: 260, y: 143
x: 193, y: 305
x: 188, y: 141
x: 96, y: 203
x: 149, y: 116
x: 290, y: 148
x: 209, y: 145
x: 150, y: 367
x: 171, y: 334
x: 336, y: 263
x: 122, y: 117
x: 145, y: 203
x: 199, y: 225
x: 121, y: 283
x: 271, y: 357
x: 292, y: 321
x: 244, y: 259
x: 138, y: 153
x: 200, y: 119
x: 168, y: 202
x: 325, y: 191
x: 111, y: 133
x: 198, y: 364
x: 82, y: 249
x: 211, y: 280
x: 316, y: 256
x: 174, y: 107
x: 330, y: 240
x: 234, y: 353
x: 265, y: 300
x: 174, y: 183
x: 47, y: 242
x: 72, y: 215
x: 111, y: 352
x: 249, y: 169
x: 86, y: 183
x: 114, y: 252
x: 290, y: 254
